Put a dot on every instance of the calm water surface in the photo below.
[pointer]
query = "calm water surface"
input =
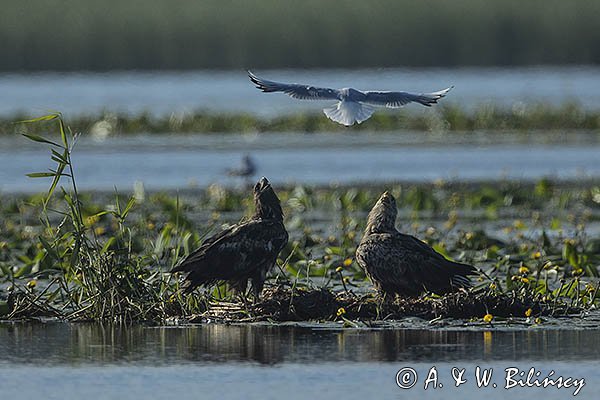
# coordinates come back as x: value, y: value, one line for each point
x: 183, y: 161
x: 65, y: 361
x: 231, y: 91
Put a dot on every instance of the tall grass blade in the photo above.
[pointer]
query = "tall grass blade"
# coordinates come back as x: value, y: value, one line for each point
x: 40, y: 139
x: 63, y: 134
x: 48, y: 117
x: 41, y: 174
x: 59, y: 173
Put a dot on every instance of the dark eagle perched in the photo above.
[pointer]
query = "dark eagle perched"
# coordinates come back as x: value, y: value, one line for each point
x: 244, y: 251
x: 402, y: 264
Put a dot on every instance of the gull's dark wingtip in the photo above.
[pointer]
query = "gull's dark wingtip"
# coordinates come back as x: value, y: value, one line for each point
x: 444, y: 92
x: 256, y: 80
x: 252, y: 77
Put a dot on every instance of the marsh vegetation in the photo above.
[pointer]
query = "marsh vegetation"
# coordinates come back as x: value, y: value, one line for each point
x: 445, y: 117
x: 103, y: 256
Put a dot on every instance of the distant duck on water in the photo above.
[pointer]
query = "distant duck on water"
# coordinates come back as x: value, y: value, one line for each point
x: 402, y: 264
x: 246, y: 170
x: 244, y: 251
x: 353, y: 106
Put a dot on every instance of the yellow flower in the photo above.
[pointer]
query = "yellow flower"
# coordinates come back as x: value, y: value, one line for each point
x: 347, y: 262
x: 488, y: 318
x: 524, y: 280
x: 528, y: 312
x: 536, y: 255
x: 493, y: 286
x: 518, y: 224
x: 92, y: 220
x: 577, y: 272
x: 523, y: 270
x: 32, y: 283
x: 338, y: 269
x: 341, y: 311
x: 589, y: 288
x: 538, y: 320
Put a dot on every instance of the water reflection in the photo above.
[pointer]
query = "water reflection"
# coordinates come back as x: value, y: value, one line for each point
x: 59, y: 343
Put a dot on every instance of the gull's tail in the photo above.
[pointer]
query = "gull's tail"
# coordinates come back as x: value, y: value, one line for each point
x: 349, y: 112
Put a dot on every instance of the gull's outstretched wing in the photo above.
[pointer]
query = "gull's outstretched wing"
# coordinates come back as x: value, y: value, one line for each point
x: 302, y: 92
x: 398, y: 99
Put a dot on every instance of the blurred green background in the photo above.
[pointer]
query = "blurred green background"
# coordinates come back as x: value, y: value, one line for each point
x: 199, y: 34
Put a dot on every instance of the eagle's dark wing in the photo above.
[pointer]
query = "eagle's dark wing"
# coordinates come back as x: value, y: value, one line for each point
x: 438, y: 273
x: 187, y: 263
x: 235, y: 253
x: 405, y: 265
x: 382, y: 261
x: 297, y: 91
x: 399, y: 99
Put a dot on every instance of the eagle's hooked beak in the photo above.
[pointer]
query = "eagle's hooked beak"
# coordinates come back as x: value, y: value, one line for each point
x: 262, y: 184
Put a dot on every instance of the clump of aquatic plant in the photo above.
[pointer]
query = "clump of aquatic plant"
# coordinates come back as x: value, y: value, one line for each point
x: 95, y: 277
x: 71, y: 255
x: 446, y: 117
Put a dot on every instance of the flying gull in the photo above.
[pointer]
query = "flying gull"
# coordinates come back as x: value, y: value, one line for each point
x: 353, y: 105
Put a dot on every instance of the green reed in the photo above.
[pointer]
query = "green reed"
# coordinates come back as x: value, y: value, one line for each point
x: 75, y: 256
